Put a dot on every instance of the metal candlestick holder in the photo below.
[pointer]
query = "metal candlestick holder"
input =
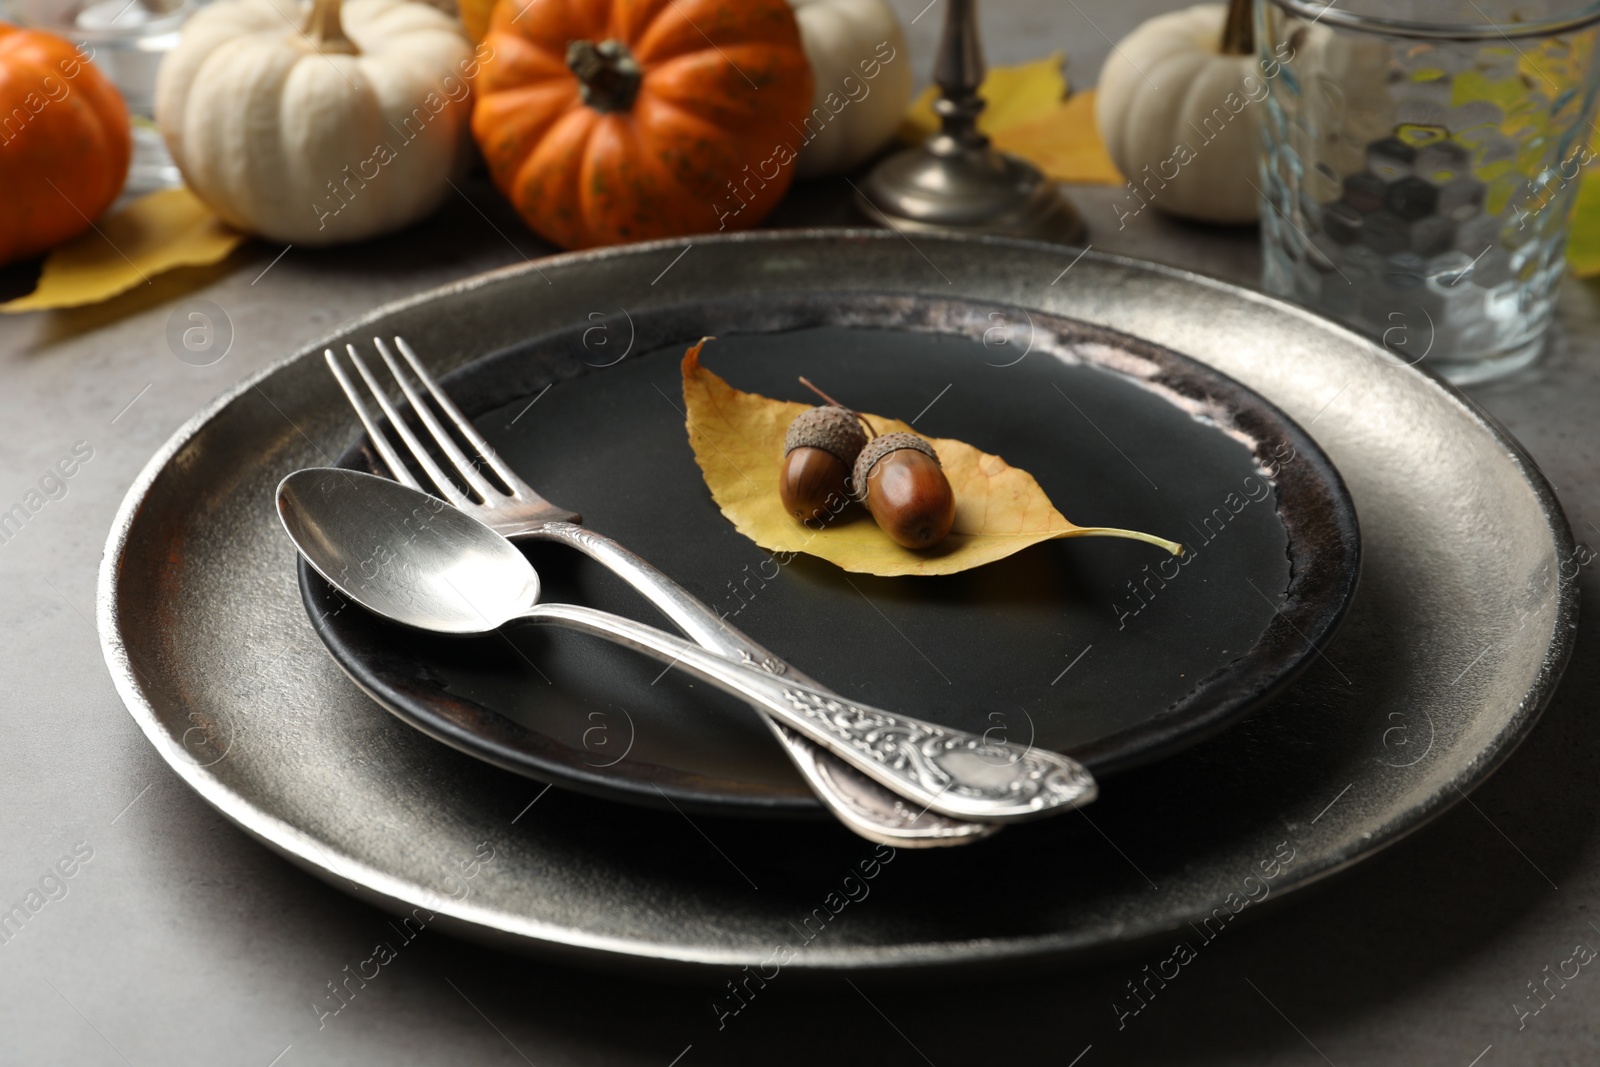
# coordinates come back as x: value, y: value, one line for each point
x: 957, y: 182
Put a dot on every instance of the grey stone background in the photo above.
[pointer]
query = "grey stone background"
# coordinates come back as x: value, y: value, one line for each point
x: 183, y: 942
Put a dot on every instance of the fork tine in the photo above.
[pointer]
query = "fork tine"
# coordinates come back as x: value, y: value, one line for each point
x: 458, y: 459
x: 445, y: 487
x: 397, y: 468
x: 469, y: 431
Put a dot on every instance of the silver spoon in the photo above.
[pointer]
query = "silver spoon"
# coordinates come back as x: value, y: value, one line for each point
x: 411, y: 557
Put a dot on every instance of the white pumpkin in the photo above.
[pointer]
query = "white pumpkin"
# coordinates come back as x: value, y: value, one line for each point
x: 313, y: 124
x: 862, y: 74
x: 1180, y: 117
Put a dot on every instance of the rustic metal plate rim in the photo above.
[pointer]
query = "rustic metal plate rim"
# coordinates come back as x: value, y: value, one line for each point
x: 387, y: 890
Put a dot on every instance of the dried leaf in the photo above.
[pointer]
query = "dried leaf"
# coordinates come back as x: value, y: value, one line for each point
x: 155, y: 233
x: 1011, y: 95
x: 1029, y: 114
x: 1583, y: 240
x: 737, y: 439
x: 1065, y: 144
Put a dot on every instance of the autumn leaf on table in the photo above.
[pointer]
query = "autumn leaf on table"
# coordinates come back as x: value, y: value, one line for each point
x: 1583, y: 240
x: 1506, y: 95
x: 155, y: 233
x: 737, y: 439
x: 1028, y: 113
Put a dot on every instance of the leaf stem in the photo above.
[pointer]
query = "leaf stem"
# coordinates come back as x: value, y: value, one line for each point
x: 1133, y: 535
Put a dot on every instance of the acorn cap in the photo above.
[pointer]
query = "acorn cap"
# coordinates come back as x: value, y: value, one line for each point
x: 879, y: 447
x: 835, y: 430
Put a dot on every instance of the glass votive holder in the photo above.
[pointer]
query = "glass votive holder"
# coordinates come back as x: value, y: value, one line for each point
x: 1420, y: 159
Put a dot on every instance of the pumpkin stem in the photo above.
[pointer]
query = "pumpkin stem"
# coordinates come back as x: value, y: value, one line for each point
x: 608, y: 75
x: 1238, y: 31
x: 325, y: 32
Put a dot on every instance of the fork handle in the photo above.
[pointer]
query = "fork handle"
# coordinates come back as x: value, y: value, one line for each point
x: 863, y: 805
x: 949, y: 771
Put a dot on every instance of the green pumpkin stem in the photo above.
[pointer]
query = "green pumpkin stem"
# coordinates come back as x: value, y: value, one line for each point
x: 608, y: 75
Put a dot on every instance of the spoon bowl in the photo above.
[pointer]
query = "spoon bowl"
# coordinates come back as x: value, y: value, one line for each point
x: 404, y: 554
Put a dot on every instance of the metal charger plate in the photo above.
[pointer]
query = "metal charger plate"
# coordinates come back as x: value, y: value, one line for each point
x: 1453, y: 644
x: 1051, y: 646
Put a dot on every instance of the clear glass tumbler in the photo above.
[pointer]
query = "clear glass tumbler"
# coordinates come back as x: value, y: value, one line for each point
x: 1420, y: 160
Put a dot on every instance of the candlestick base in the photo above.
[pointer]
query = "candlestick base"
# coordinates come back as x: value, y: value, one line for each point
x: 949, y: 187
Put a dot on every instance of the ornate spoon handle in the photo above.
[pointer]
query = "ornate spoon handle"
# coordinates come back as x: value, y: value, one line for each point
x: 948, y: 771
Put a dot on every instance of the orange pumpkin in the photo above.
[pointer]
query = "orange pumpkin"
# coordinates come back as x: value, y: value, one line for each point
x: 624, y: 120
x: 475, y: 17
x: 65, y: 142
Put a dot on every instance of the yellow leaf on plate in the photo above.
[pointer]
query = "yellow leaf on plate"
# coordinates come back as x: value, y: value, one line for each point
x: 1027, y: 116
x: 1065, y: 144
x: 155, y: 233
x: 1583, y: 240
x: 737, y: 439
x: 1011, y: 95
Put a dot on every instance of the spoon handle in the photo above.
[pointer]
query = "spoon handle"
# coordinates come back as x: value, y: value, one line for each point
x: 948, y: 771
x: 858, y: 801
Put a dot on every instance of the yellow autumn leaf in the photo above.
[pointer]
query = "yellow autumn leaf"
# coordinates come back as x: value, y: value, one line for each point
x: 1474, y: 86
x: 1011, y: 95
x: 1583, y: 239
x: 166, y: 229
x: 737, y: 439
x: 1029, y: 114
x: 1065, y: 143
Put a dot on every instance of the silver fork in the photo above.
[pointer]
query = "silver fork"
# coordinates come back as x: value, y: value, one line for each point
x: 516, y: 511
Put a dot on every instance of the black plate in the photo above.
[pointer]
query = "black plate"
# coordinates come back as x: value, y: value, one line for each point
x: 1107, y: 650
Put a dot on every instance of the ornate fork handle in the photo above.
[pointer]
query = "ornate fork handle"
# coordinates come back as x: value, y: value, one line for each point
x: 859, y: 802
x: 868, y: 808
x: 957, y: 773
x: 948, y: 771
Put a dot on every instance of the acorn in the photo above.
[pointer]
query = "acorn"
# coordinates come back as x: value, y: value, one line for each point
x: 818, y: 451
x: 899, y: 478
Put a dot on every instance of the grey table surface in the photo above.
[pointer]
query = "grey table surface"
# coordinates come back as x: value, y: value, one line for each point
x: 181, y: 941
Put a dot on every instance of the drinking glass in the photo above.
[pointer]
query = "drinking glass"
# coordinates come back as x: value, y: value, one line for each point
x: 1419, y: 160
x: 127, y: 40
